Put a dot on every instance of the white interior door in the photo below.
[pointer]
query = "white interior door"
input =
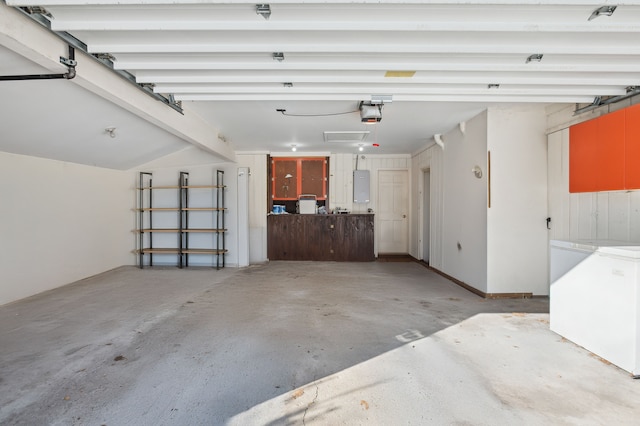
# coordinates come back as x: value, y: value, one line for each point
x: 393, y: 208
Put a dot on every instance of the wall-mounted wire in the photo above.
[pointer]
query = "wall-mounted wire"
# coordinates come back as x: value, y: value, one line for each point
x: 284, y: 112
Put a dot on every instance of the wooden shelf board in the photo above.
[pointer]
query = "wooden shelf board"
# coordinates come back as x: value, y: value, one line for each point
x: 158, y: 187
x: 159, y: 251
x: 161, y: 209
x: 165, y: 250
x: 213, y: 230
x: 203, y: 251
x: 175, y: 230
x: 204, y: 209
x: 183, y: 187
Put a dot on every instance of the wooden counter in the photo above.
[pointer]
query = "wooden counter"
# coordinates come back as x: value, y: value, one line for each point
x: 341, y: 237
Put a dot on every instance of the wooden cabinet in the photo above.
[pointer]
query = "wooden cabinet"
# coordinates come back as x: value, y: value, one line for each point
x: 321, y: 237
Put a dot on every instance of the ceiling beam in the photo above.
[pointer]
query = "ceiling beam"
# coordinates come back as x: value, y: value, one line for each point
x: 361, y: 62
x: 397, y: 90
x: 344, y: 17
x: 398, y: 98
x: 374, y: 43
x: 444, y: 2
x: 560, y: 79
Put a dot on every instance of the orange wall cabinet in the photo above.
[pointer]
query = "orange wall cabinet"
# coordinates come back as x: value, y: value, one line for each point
x: 292, y: 176
x: 604, y: 153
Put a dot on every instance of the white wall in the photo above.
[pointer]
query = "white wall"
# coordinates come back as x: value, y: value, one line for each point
x: 464, y: 220
x: 503, y: 248
x: 516, y: 226
x: 611, y: 215
x: 257, y: 163
x: 60, y: 222
x: 341, y: 168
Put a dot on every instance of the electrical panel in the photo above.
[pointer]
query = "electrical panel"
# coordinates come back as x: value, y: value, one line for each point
x: 361, y: 186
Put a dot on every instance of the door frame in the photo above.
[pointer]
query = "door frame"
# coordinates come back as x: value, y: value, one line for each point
x: 421, y: 214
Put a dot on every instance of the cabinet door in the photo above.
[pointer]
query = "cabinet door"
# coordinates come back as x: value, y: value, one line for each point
x: 284, y: 233
x: 632, y: 148
x: 582, y: 156
x: 609, y: 148
x: 285, y: 179
x: 598, y: 153
x: 353, y: 238
x: 313, y: 177
x: 320, y: 234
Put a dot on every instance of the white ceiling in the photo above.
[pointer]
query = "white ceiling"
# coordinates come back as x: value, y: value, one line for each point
x: 217, y: 58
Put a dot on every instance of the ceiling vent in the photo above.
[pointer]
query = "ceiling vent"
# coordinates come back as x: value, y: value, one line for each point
x: 346, y: 136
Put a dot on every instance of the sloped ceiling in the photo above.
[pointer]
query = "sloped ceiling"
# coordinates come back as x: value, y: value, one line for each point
x: 441, y: 61
x: 58, y: 120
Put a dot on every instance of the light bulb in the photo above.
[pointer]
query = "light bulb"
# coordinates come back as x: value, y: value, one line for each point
x: 360, y: 148
x: 293, y: 148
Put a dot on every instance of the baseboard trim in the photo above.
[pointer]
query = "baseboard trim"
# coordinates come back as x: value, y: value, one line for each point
x: 475, y: 290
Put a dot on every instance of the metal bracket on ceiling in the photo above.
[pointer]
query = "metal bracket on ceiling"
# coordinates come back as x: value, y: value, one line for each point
x: 172, y: 101
x: 598, y: 101
x: 38, y: 15
x: 70, y: 62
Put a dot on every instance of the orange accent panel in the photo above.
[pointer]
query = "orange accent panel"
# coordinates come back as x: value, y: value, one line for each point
x: 582, y: 156
x: 610, y: 152
x: 632, y: 148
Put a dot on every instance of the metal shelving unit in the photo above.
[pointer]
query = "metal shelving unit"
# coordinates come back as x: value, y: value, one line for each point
x: 184, y: 209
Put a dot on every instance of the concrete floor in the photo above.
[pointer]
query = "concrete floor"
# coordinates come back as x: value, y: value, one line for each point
x: 296, y: 343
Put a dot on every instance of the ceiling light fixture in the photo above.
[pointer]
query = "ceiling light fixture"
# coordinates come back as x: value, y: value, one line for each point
x: 111, y: 131
x: 263, y: 10
x: 294, y: 147
x: 603, y: 10
x: 278, y: 56
x: 360, y: 147
x: 536, y: 57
